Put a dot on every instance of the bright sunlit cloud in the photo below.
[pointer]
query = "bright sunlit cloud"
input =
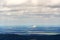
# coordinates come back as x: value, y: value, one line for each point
x: 45, y: 2
x: 55, y: 2
x: 15, y: 2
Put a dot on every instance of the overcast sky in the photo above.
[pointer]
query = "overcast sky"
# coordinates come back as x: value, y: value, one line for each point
x: 48, y: 15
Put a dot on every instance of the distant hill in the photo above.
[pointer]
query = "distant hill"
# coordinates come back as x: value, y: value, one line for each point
x: 27, y: 29
x: 28, y: 37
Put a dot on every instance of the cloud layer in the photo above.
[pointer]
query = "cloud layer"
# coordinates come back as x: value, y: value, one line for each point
x: 38, y: 12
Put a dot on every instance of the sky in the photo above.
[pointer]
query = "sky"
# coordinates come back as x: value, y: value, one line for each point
x: 17, y: 12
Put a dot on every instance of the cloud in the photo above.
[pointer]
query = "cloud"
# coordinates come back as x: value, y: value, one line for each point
x: 45, y: 14
x: 54, y: 6
x: 49, y: 2
x: 4, y: 9
x: 15, y: 2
